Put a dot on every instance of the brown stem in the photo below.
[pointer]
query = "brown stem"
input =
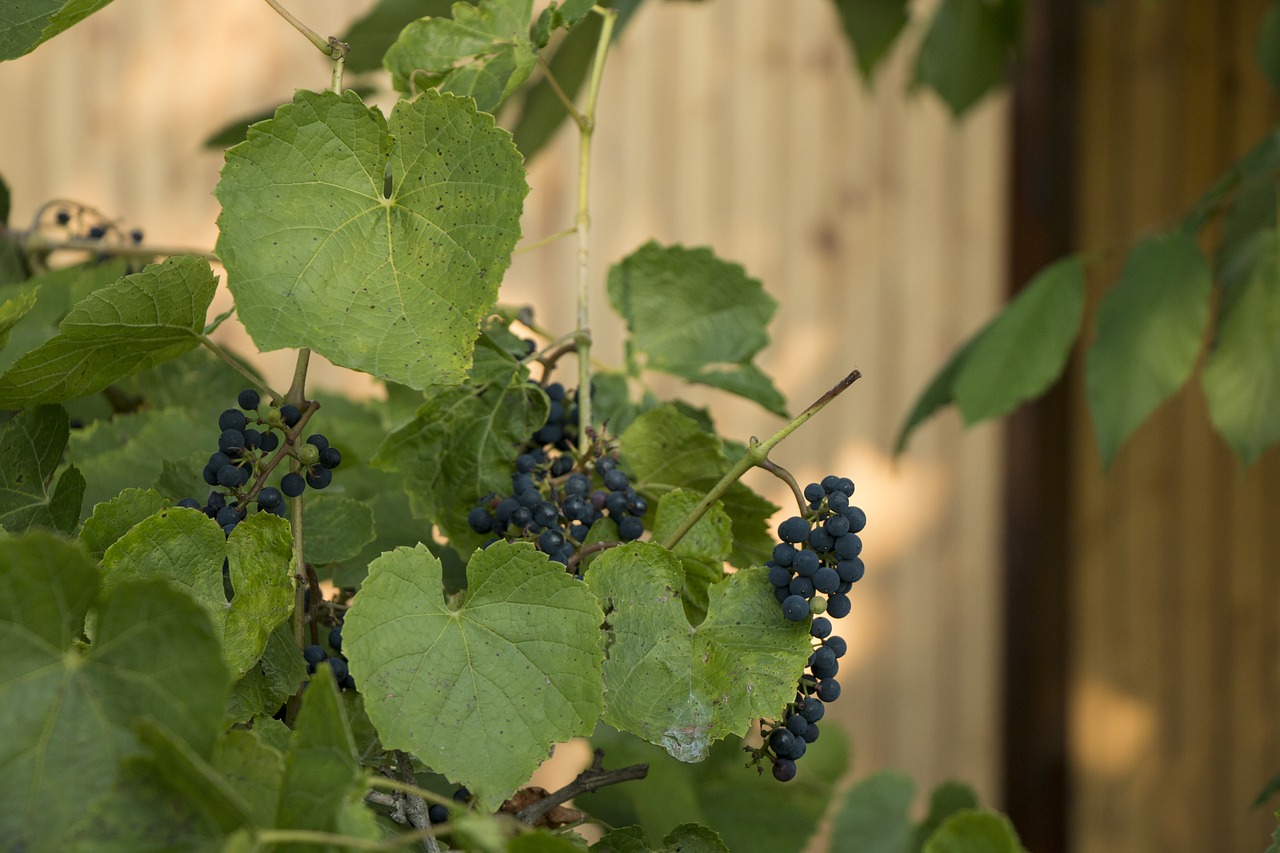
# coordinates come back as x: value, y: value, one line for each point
x: 786, y: 476
x: 593, y: 548
x: 593, y: 778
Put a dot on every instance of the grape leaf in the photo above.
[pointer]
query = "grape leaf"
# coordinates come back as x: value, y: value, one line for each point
x: 121, y: 453
x: 56, y: 292
x: 31, y: 447
x: 27, y: 24
x: 483, y: 51
x: 946, y: 799
x: 397, y: 233
x: 667, y: 450
x: 701, y: 552
x: 254, y: 769
x: 681, y: 687
x: 269, y: 682
x: 112, y: 519
x: 338, y: 528
x: 876, y: 812
x: 697, y: 317
x: 940, y: 391
x: 1242, y: 374
x: 478, y: 691
x: 187, y: 548
x: 968, y: 48
x: 13, y: 310
x: 68, y: 711
x: 322, y: 778
x: 1150, y: 326
x: 1025, y: 348
x: 461, y: 445
x: 371, y: 36
x: 872, y: 27
x: 750, y: 811
x: 974, y: 831
x: 139, y: 321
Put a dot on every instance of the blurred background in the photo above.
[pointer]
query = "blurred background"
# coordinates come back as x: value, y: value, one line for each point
x: 1098, y: 654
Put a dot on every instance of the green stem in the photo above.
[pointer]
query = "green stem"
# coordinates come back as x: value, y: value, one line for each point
x: 338, y: 51
x: 297, y: 395
x: 757, y: 453
x: 244, y: 371
x: 383, y: 783
x: 565, y: 100
x: 545, y: 241
x: 586, y: 127
x: 315, y: 38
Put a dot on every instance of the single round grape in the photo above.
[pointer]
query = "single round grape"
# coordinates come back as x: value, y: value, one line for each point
x: 823, y: 663
x: 63, y: 217
x: 845, y: 485
x: 555, y: 391
x: 817, y: 605
x: 795, y: 608
x: 210, y: 475
x: 837, y: 645
x: 615, y: 480
x: 313, y: 655
x: 630, y: 528
x: 828, y: 690
x: 561, y: 466
x: 462, y: 795
x: 437, y: 813
x: 526, y: 462
x: 549, y: 434
x: 249, y: 400
x: 838, y: 605
x: 847, y: 546
x: 830, y: 483
x: 821, y: 628
x: 857, y: 518
x: 269, y: 498
x: 825, y: 579
x: 837, y: 501
x: 810, y: 733
x: 781, y: 593
x: 836, y: 525
x: 784, y: 770
x: 228, y: 475
x: 318, y: 441
x: 319, y: 477
x: 190, y: 503
x: 546, y: 513
x: 252, y: 439
x: 216, y: 501
x: 814, y: 492
x: 231, y: 441
x: 308, y: 454
x: 529, y: 498
x: 217, y: 460
x: 781, y: 741
x: 784, y: 554
x: 579, y: 532
x: 802, y: 587
x: 812, y: 709
x: 851, y: 571
x: 97, y: 232
x: 797, y: 724
x: 502, y: 513
x: 794, y: 529
x: 577, y: 484
x: 778, y: 576
x: 555, y: 412
x: 522, y: 517
x: 269, y: 442
x: 820, y: 540
x: 136, y: 236
x: 616, y: 503
x: 335, y: 639
x: 290, y: 414
x: 232, y: 419
x: 606, y: 464
x: 638, y: 506
x: 806, y: 563
x: 479, y: 520
x: 292, y: 484
x: 339, y: 667
x: 550, y: 541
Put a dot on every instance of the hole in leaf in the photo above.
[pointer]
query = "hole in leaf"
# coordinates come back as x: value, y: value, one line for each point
x: 386, y: 181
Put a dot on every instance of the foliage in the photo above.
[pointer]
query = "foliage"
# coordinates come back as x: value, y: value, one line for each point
x: 514, y: 563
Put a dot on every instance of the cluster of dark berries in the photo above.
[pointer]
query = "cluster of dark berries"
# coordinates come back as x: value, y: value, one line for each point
x: 84, y: 223
x: 316, y: 655
x: 788, y: 738
x: 561, y: 429
x: 819, y: 552
x: 242, y: 455
x: 555, y: 499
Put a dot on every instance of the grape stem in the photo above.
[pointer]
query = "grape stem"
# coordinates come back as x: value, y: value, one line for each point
x: 593, y: 548
x: 244, y: 371
x: 755, y: 457
x: 415, y: 807
x: 593, y: 778
x: 786, y: 476
x: 297, y: 395
x: 315, y: 38
x: 586, y: 127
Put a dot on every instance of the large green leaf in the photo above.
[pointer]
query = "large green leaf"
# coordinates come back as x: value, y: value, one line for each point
x: 378, y: 244
x: 56, y: 292
x: 749, y: 810
x: 371, y: 36
x: 187, y: 548
x: 1025, y: 348
x: 479, y: 691
x: 946, y: 799
x: 697, y: 317
x: 26, y: 24
x: 68, y: 711
x: 13, y: 310
x: 139, y: 321
x: 974, y: 831
x: 939, y: 392
x: 1242, y: 374
x: 273, y: 679
x: 483, y: 51
x: 872, y: 27
x: 1150, y: 326
x: 968, y: 48
x: 338, y: 528
x: 114, y: 518
x: 875, y: 814
x: 681, y: 687
x: 702, y: 551
x: 31, y: 447
x: 461, y: 444
x: 667, y: 450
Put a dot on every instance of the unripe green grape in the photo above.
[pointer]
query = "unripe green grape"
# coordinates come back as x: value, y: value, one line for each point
x: 817, y: 605
x: 308, y: 454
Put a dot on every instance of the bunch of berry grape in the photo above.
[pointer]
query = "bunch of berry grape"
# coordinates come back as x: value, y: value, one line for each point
x: 555, y: 500
x: 245, y: 446
x: 788, y: 738
x: 819, y: 552
x: 561, y: 429
x: 316, y: 655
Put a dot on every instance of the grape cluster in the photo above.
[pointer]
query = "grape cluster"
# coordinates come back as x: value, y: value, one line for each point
x: 316, y: 655
x: 556, y: 498
x: 245, y: 445
x: 819, y: 553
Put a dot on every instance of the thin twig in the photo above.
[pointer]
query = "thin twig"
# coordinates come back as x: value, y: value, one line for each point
x: 538, y: 244
x: 786, y: 476
x: 315, y: 38
x: 565, y: 100
x: 593, y: 778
